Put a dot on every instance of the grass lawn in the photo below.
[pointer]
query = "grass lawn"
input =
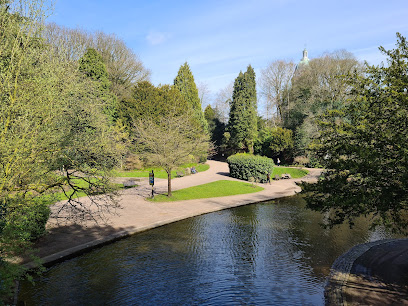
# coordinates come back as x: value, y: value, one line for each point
x: 211, y: 190
x: 159, y: 172
x: 294, y: 172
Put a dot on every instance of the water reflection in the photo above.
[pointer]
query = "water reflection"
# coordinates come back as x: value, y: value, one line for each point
x: 268, y: 253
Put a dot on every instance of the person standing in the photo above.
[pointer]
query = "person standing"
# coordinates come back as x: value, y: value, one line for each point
x: 268, y: 178
x: 278, y: 161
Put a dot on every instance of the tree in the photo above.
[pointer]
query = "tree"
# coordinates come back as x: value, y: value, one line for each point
x: 223, y: 102
x: 54, y: 134
x: 316, y: 88
x: 169, y: 142
x: 92, y: 65
x: 148, y: 101
x: 203, y: 93
x: 364, y: 144
x: 184, y: 82
x: 242, y: 124
x: 216, y: 127
x: 275, y: 82
x: 274, y: 142
x: 124, y: 67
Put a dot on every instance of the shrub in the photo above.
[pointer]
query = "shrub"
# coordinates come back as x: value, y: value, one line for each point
x: 243, y: 166
x: 133, y: 162
x: 27, y: 222
x: 301, y: 161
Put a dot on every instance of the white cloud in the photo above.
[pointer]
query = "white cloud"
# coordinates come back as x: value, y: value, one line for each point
x: 157, y: 38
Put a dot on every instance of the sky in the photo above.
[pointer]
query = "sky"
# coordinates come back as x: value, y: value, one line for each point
x: 220, y: 38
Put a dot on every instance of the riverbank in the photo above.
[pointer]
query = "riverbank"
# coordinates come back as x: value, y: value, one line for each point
x: 137, y: 215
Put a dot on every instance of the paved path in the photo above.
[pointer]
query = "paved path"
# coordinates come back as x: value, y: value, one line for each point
x: 137, y: 214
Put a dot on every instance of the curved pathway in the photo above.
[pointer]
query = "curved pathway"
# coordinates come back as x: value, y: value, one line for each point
x: 136, y: 214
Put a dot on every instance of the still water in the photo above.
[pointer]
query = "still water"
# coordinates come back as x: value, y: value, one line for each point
x: 272, y: 253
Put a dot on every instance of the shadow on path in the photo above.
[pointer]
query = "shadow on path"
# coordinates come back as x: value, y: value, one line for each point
x: 70, y: 237
x: 224, y: 173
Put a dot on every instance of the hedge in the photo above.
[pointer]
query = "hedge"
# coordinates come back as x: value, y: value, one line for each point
x: 243, y: 166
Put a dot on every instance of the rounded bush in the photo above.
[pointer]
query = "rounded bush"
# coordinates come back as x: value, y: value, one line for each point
x: 244, y: 166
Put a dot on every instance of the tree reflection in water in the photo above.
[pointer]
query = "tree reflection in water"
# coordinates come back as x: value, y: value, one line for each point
x: 268, y: 253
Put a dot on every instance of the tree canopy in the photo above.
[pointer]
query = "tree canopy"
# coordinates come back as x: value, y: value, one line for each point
x: 184, y: 82
x: 54, y: 134
x: 170, y: 142
x: 242, y: 124
x: 149, y: 101
x: 364, y: 145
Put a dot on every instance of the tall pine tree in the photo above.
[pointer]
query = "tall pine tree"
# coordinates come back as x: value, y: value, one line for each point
x: 242, y: 124
x: 184, y: 82
x: 92, y: 65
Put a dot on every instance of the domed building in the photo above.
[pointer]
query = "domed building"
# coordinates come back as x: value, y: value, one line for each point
x: 304, y: 61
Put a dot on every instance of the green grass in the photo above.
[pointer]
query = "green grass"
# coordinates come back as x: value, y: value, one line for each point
x: 159, y: 172
x: 211, y: 190
x: 294, y: 172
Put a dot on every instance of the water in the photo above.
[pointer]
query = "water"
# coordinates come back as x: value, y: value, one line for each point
x: 262, y: 254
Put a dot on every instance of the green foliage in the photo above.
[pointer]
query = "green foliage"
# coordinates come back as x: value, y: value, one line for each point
x: 24, y: 218
x: 170, y: 142
x: 243, y: 166
x: 211, y: 190
x: 216, y: 128
x: 184, y: 82
x: 242, y: 124
x: 52, y: 119
x: 274, y: 142
x: 365, y: 146
x: 316, y: 88
x: 92, y: 65
x: 151, y: 102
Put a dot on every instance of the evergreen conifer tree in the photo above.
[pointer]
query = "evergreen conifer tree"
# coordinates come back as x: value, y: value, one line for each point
x: 93, y: 66
x: 243, y: 113
x: 184, y: 82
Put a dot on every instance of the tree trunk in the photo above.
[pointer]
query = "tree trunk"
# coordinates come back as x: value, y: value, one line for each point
x: 169, y: 183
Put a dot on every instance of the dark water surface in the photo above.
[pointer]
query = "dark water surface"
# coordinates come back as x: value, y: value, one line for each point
x: 272, y: 253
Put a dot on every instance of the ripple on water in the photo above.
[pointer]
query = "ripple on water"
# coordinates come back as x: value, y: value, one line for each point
x: 268, y: 253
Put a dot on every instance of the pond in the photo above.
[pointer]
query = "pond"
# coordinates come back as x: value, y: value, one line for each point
x: 268, y: 253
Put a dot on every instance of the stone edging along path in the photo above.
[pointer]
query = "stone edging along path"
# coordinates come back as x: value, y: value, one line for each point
x: 372, y: 273
x: 137, y: 215
x: 341, y: 270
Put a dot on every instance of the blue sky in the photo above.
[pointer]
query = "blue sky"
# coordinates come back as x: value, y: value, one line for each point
x: 220, y: 38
